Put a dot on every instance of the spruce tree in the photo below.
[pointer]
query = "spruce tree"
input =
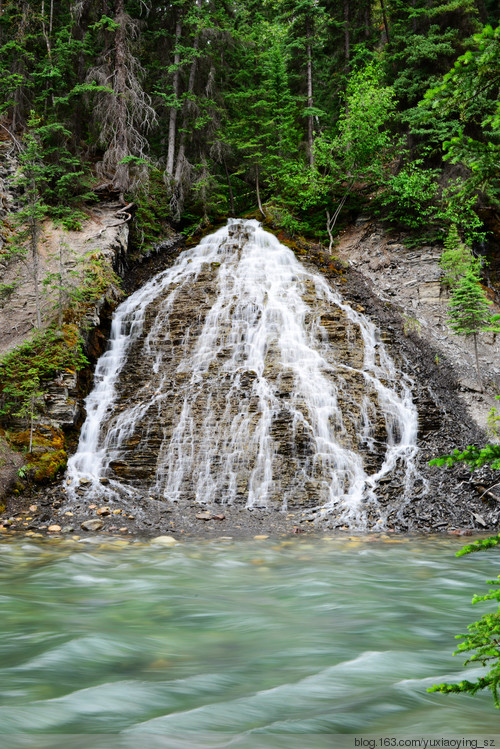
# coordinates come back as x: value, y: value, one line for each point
x: 261, y: 126
x: 468, y: 96
x: 32, y: 180
x: 303, y: 20
x: 122, y: 113
x: 469, y: 314
x: 457, y: 259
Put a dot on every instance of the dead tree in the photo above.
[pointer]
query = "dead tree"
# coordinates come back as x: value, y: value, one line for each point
x: 124, y: 112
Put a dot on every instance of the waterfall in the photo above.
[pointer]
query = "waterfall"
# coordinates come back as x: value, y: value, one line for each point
x: 240, y: 376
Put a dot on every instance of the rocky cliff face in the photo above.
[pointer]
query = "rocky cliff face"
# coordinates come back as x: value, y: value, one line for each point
x: 158, y: 378
x: 100, y: 237
x: 397, y: 288
x: 408, y: 281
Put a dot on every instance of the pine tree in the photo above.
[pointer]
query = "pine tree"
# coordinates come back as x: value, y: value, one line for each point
x: 468, y: 313
x: 261, y: 127
x: 190, y: 55
x: 220, y: 94
x: 123, y: 112
x: 426, y: 38
x: 304, y: 21
x: 17, y: 58
x: 468, y: 97
x: 457, y: 259
x: 33, y: 210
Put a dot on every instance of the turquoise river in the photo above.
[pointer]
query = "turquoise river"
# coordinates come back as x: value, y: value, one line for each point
x: 306, y: 642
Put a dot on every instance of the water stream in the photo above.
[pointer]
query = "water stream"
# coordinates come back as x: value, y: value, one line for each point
x: 250, y: 644
x: 239, y: 375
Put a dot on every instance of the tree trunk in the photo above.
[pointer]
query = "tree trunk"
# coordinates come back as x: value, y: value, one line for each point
x: 310, y: 100
x: 347, y: 41
x: 19, y: 70
x: 122, y: 178
x: 386, y: 26
x: 35, y: 257
x: 62, y: 281
x: 257, y: 190
x: 483, y: 13
x: 46, y: 36
x: 182, y: 144
x: 229, y: 187
x: 332, y: 220
x: 173, y: 110
x: 205, y: 175
x: 32, y: 415
x: 479, y: 378
x: 368, y: 20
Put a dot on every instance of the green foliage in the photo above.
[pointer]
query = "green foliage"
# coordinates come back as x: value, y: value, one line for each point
x: 51, y: 180
x: 279, y: 216
x: 469, y: 92
x: 439, y: 112
x: 413, y: 199
x: 458, y: 206
x: 425, y: 39
x: 410, y: 196
x: 362, y: 147
x: 50, y: 456
x: 468, y: 312
x: 26, y: 369
x: 6, y: 289
x: 234, y: 95
x: 97, y: 278
x: 473, y: 456
x: 493, y: 421
x: 261, y: 108
x: 483, y: 544
x: 457, y: 260
x: 359, y: 152
x: 482, y: 640
x: 150, y: 220
x: 468, y: 308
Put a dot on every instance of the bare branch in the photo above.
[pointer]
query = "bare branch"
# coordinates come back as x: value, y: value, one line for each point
x: 16, y: 142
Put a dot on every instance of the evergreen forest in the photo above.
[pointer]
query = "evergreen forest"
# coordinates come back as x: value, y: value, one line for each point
x: 307, y: 111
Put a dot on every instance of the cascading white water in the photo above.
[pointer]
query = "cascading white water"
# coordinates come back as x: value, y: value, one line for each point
x: 248, y: 397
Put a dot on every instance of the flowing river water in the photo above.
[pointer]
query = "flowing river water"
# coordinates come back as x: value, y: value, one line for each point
x: 275, y: 643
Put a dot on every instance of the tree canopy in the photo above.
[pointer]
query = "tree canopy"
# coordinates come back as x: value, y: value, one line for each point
x: 282, y: 101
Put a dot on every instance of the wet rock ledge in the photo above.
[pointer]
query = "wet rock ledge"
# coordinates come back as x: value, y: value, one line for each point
x: 452, y: 505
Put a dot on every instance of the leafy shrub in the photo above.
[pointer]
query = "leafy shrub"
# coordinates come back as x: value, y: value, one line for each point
x: 409, y: 197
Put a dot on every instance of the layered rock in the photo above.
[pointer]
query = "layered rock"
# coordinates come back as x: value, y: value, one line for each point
x: 248, y: 381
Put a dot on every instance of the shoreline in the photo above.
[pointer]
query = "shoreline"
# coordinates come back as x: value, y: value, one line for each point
x: 48, y: 519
